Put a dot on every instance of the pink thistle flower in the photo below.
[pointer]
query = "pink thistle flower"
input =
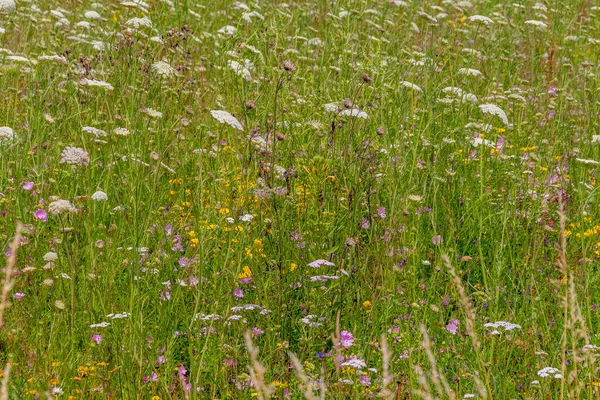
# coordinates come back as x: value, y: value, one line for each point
x: 238, y: 293
x: 28, y: 186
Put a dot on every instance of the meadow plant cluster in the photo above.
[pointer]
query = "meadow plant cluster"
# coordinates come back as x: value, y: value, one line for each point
x: 306, y: 199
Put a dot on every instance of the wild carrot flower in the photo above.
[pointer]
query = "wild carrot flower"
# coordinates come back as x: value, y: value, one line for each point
x: 75, y: 156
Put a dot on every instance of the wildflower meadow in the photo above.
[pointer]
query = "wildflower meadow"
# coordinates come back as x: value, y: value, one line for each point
x: 301, y: 199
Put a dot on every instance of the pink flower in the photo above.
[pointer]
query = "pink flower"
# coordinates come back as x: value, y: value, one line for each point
x: 97, y: 338
x: 41, y: 215
x: 437, y: 240
x: 238, y: 293
x: 18, y: 295
x: 28, y: 186
x: 346, y: 339
x: 452, y: 327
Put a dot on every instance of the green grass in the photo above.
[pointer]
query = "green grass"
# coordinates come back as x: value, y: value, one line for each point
x: 383, y: 198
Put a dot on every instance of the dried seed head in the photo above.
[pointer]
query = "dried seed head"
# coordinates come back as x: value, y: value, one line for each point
x: 366, y: 78
x: 380, y: 131
x: 280, y: 136
x: 250, y: 105
x: 347, y: 103
x: 289, y: 66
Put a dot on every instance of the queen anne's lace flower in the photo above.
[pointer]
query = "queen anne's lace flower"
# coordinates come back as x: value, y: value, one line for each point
x: 6, y: 134
x: 494, y: 110
x: 225, y: 118
x: 8, y: 6
x: 162, y: 69
x: 60, y: 207
x: 75, y: 156
x: 100, y: 196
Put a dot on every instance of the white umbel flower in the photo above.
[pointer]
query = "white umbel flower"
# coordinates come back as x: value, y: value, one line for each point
x: 60, y: 207
x: 92, y: 15
x: 494, y: 110
x: 100, y: 196
x: 75, y: 156
x: 469, y: 72
x: 537, y: 24
x: 481, y: 18
x: 411, y: 86
x: 122, y: 132
x: 355, y: 112
x: 93, y: 82
x: 137, y: 22
x: 151, y: 112
x: 225, y: 118
x: 8, y: 6
x: 227, y: 30
x: 6, y: 135
x: 162, y: 69
x: 55, y: 58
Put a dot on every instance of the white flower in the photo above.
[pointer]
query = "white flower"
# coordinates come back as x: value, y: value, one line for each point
x: 93, y: 82
x: 320, y: 262
x: 354, y: 362
x: 75, y: 156
x: 100, y: 325
x: 240, y: 69
x: 6, y: 133
x: 50, y: 256
x: 152, y: 112
x: 469, y: 72
x: 18, y: 58
x: 411, y: 86
x: 92, y: 15
x: 61, y: 206
x: 508, y: 326
x: 8, y: 6
x: 227, y: 30
x: 537, y: 24
x: 55, y: 58
x: 55, y: 390
x: 225, y: 118
x: 162, y: 69
x: 550, y: 372
x: 122, y: 132
x: 118, y: 316
x: 246, y: 217
x: 494, y: 110
x: 137, y: 22
x: 331, y: 107
x: 355, y: 112
x: 586, y: 161
x: 94, y: 131
x: 100, y: 196
x: 481, y: 18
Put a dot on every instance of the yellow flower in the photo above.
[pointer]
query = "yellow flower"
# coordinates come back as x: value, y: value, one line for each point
x: 155, y: 398
x: 293, y: 267
x: 367, y: 304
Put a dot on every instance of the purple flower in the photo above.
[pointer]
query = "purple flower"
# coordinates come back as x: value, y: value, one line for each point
x: 97, y: 338
x: 18, y: 295
x: 346, y: 339
x: 437, y: 240
x: 41, y: 215
x: 238, y: 293
x: 256, y: 331
x: 452, y: 327
x: 364, y: 223
x: 28, y: 186
x: 381, y: 212
x: 365, y: 380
